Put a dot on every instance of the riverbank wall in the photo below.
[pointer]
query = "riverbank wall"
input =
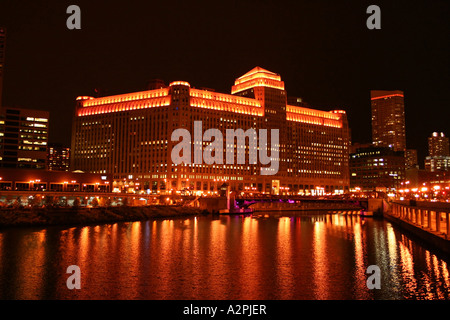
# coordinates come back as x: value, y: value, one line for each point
x: 19, y: 217
x: 436, y: 239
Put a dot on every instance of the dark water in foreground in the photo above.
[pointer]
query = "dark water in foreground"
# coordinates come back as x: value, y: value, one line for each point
x: 231, y: 257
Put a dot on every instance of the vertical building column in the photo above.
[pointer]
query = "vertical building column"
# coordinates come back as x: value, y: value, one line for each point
x: 447, y: 216
x: 438, y: 221
x: 429, y: 219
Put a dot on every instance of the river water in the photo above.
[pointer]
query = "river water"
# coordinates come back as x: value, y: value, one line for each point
x: 315, y: 256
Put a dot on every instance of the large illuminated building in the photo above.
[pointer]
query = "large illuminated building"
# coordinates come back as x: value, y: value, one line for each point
x: 129, y: 136
x: 388, y: 119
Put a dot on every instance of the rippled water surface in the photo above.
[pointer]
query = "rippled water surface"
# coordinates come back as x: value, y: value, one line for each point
x: 318, y: 256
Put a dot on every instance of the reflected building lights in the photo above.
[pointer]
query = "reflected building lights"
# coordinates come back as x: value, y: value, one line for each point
x: 285, y: 273
x: 29, y: 274
x: 407, y: 263
x: 320, y: 271
x: 360, y: 264
x: 224, y: 258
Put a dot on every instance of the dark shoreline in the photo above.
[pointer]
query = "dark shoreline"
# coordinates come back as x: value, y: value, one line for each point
x: 42, y: 217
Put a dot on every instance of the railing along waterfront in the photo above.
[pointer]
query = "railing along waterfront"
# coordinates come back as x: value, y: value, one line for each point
x: 433, y: 217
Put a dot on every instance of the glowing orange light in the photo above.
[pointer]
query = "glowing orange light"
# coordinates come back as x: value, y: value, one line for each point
x: 255, y: 73
x: 311, y: 116
x: 133, y: 101
x: 387, y: 96
x: 312, y: 112
x: 84, y: 98
x: 258, y: 77
x: 257, y: 83
x: 314, y: 120
x: 134, y: 96
x: 339, y: 111
x: 225, y: 102
x: 180, y: 83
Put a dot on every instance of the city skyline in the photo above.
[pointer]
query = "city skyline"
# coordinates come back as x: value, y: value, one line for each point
x: 216, y: 158
x: 330, y: 61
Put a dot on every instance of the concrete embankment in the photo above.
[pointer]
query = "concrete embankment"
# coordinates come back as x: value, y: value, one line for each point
x: 434, y: 239
x: 85, y: 216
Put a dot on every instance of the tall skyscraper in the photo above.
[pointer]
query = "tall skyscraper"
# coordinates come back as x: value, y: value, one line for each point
x: 2, y: 60
x: 388, y: 119
x: 438, y: 158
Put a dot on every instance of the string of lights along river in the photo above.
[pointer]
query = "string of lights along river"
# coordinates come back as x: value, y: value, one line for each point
x: 307, y: 256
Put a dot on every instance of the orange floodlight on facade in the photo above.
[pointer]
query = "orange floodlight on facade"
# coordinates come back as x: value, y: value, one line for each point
x: 257, y: 77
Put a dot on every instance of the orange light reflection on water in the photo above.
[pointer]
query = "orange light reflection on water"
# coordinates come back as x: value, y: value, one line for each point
x: 229, y: 257
x: 285, y: 273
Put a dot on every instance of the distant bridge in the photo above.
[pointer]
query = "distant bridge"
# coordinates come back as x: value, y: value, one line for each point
x: 300, y: 203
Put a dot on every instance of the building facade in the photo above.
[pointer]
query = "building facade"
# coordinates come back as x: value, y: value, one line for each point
x: 411, y: 159
x: 58, y: 157
x: 388, y: 119
x: 437, y: 163
x: 130, y: 136
x: 438, y: 158
x: 376, y: 169
x: 438, y: 145
x: 2, y: 60
x: 23, y: 138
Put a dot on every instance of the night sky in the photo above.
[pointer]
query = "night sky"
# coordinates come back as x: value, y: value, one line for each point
x: 322, y: 50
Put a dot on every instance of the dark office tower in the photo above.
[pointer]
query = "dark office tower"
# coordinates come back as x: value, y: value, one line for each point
x: 58, y: 157
x: 2, y: 59
x: 377, y: 169
x: 411, y: 159
x: 388, y: 119
x: 129, y: 136
x: 23, y: 138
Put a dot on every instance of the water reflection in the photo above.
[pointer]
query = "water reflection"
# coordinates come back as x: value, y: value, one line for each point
x: 230, y: 257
